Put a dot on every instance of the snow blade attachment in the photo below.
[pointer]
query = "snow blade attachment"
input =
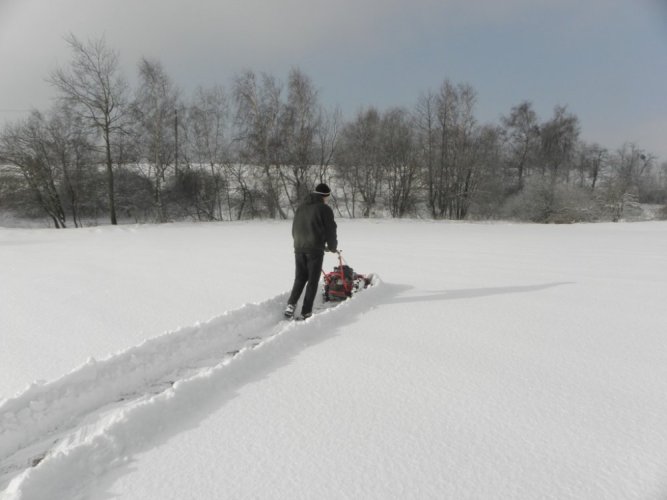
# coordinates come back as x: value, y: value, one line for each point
x: 343, y: 282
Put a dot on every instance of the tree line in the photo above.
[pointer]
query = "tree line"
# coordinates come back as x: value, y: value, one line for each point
x: 254, y: 149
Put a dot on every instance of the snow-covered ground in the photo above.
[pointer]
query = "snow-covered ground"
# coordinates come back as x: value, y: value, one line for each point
x: 486, y: 361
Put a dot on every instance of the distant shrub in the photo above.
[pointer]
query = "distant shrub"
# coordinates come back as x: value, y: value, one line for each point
x: 544, y: 202
x: 662, y: 213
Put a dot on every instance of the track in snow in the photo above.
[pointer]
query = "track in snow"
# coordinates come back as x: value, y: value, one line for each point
x: 86, y: 419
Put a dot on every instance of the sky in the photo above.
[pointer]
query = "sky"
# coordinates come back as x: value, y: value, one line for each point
x: 603, y: 59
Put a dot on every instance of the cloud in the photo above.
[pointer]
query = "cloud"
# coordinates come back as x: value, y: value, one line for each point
x: 362, y: 52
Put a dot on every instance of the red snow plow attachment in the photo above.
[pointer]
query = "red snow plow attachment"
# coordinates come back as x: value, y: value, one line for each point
x: 343, y: 282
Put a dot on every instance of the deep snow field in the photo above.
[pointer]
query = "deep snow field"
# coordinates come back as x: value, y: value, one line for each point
x: 487, y: 361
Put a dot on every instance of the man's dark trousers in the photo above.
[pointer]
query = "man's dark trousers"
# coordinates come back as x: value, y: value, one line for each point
x: 308, y: 270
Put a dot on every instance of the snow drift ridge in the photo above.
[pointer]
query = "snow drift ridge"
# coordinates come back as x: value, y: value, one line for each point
x: 90, y: 417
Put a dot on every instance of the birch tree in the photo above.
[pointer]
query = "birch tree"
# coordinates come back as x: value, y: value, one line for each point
x: 300, y: 122
x: 359, y: 162
x: 257, y: 119
x: 209, y: 129
x: 154, y: 111
x: 95, y: 89
x: 425, y: 122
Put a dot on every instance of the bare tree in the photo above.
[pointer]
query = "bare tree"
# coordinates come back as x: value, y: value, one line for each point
x: 70, y: 146
x: 464, y: 158
x: 425, y: 122
x: 358, y: 161
x: 95, y: 89
x: 209, y: 125
x: 300, y: 122
x: 258, y: 107
x: 450, y: 141
x: 327, y: 141
x: 628, y: 167
x: 559, y: 138
x: 397, y: 143
x: 522, y: 134
x: 27, y: 147
x: 589, y: 164
x: 488, y: 184
x: 154, y: 111
x: 483, y: 176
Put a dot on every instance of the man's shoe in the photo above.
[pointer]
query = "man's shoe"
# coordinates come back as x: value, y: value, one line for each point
x: 289, y: 311
x: 304, y: 316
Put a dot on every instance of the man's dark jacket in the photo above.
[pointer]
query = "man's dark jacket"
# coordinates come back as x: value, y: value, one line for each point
x: 313, y: 227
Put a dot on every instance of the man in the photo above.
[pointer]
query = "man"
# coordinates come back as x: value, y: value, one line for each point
x: 314, y: 232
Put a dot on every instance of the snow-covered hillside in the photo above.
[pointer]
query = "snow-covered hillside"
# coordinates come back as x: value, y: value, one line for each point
x: 486, y: 361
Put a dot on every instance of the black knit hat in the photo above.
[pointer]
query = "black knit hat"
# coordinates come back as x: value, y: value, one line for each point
x: 322, y: 189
